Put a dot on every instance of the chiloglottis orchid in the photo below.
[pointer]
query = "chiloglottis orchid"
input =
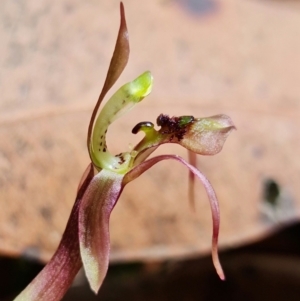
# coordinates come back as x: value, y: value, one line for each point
x: 86, y: 240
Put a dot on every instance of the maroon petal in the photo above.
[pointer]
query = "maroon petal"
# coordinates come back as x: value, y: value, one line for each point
x: 117, y: 64
x: 95, y: 208
x: 138, y: 170
x: 193, y: 162
x: 54, y: 280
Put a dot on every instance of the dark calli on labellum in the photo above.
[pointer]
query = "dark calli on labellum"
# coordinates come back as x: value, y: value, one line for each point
x: 86, y: 240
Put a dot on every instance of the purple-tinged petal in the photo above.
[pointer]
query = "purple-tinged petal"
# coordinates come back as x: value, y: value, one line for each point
x: 117, y: 64
x: 87, y: 175
x: 141, y: 168
x: 54, y: 280
x: 193, y: 161
x: 96, y: 206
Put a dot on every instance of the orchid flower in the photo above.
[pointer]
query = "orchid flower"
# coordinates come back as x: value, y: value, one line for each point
x: 86, y: 238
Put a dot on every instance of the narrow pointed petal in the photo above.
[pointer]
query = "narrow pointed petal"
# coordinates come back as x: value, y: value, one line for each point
x: 117, y: 64
x: 54, y: 280
x: 96, y: 206
x: 193, y: 162
x: 140, y: 169
x: 120, y: 56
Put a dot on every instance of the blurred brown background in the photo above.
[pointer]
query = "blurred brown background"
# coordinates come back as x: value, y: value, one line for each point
x: 240, y: 58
